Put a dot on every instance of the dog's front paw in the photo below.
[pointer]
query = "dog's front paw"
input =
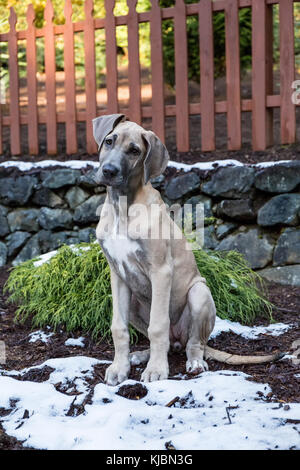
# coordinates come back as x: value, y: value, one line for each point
x: 155, y: 372
x: 116, y: 373
x: 196, y: 366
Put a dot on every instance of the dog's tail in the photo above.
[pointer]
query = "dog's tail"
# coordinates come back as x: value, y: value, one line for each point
x: 221, y: 356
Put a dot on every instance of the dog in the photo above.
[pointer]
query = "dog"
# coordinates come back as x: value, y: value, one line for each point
x: 155, y: 281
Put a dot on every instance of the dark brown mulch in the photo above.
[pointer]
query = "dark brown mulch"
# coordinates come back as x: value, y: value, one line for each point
x: 279, y: 375
x: 133, y: 392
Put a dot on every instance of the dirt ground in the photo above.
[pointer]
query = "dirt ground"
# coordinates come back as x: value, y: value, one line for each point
x: 279, y: 375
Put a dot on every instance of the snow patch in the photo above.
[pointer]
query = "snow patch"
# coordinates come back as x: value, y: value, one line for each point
x: 204, y: 165
x: 44, y: 258
x: 27, y: 166
x: 75, y: 342
x: 81, y: 164
x: 39, y: 336
x: 250, y: 332
x: 47, y: 256
x: 221, y: 410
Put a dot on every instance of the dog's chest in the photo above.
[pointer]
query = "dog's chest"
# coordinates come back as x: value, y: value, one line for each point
x: 121, y: 251
x: 127, y: 257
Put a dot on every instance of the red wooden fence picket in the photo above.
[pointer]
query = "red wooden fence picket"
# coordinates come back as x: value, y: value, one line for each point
x: 15, y: 130
x: 33, y: 139
x: 111, y: 58
x: 207, y: 93
x: 50, y: 68
x: 90, y: 75
x: 261, y: 104
x: 158, y: 108
x: 287, y: 71
x: 71, y: 134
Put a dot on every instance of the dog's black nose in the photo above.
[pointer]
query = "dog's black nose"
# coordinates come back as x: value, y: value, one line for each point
x: 109, y: 171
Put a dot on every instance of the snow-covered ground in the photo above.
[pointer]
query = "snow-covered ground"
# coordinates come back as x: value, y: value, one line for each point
x: 222, y: 410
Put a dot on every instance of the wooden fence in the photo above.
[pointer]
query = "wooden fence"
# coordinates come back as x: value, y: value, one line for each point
x: 261, y: 104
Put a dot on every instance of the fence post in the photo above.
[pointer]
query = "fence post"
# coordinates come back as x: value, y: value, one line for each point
x: 90, y: 75
x: 14, y: 110
x: 262, y: 74
x: 233, y: 79
x: 50, y: 70
x: 181, y: 77
x: 158, y: 107
x: 207, y: 81
x: 134, y: 74
x: 70, y: 91
x: 111, y: 58
x: 33, y: 141
x: 287, y: 71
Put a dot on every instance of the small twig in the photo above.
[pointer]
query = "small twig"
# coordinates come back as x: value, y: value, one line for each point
x: 172, y: 402
x: 227, y: 411
x: 285, y: 309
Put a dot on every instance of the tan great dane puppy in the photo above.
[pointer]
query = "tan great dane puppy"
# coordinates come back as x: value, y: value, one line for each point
x: 156, y: 285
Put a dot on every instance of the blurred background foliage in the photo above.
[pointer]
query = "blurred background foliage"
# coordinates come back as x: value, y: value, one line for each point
x: 144, y: 30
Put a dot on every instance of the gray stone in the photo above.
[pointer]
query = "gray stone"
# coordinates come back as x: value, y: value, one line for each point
x: 51, y: 219
x: 15, y: 241
x: 210, y: 240
x: 16, y: 191
x: 158, y: 182
x: 240, y: 209
x: 280, y: 178
x: 50, y: 241
x: 3, y: 210
x: 89, y: 211
x: 181, y: 185
x: 284, y: 275
x: 25, y: 220
x: 201, y: 199
x: 76, y: 196
x: 3, y: 254
x: 256, y: 247
x: 231, y: 182
x: 87, y: 235
x: 225, y: 229
x: 54, y: 179
x: 72, y: 241
x: 29, y: 251
x: 4, y: 229
x: 46, y: 197
x: 282, y: 209
x: 287, y: 250
x: 88, y: 180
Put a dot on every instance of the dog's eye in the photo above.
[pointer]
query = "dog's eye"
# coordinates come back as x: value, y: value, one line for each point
x: 135, y: 151
x: 108, y: 141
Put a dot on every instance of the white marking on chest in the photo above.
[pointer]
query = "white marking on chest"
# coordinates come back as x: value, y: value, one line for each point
x: 120, y: 249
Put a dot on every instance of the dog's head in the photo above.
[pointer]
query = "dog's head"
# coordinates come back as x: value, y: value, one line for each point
x: 127, y: 151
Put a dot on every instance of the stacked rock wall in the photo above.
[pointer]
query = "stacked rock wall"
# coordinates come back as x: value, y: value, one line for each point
x: 252, y: 209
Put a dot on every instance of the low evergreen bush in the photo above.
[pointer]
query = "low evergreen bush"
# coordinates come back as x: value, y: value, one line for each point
x: 72, y: 289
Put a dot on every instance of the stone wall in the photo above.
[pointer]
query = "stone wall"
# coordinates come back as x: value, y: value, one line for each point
x: 252, y: 209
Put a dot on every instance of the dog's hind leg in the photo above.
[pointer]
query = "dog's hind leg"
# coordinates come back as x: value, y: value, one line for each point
x: 202, y: 320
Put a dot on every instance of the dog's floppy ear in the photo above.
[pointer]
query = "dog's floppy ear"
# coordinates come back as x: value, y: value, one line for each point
x: 103, y: 125
x: 157, y: 156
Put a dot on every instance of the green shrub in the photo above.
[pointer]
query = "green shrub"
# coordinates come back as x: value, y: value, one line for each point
x: 72, y: 289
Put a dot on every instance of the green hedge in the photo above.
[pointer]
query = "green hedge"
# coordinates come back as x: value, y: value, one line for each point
x: 72, y: 289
